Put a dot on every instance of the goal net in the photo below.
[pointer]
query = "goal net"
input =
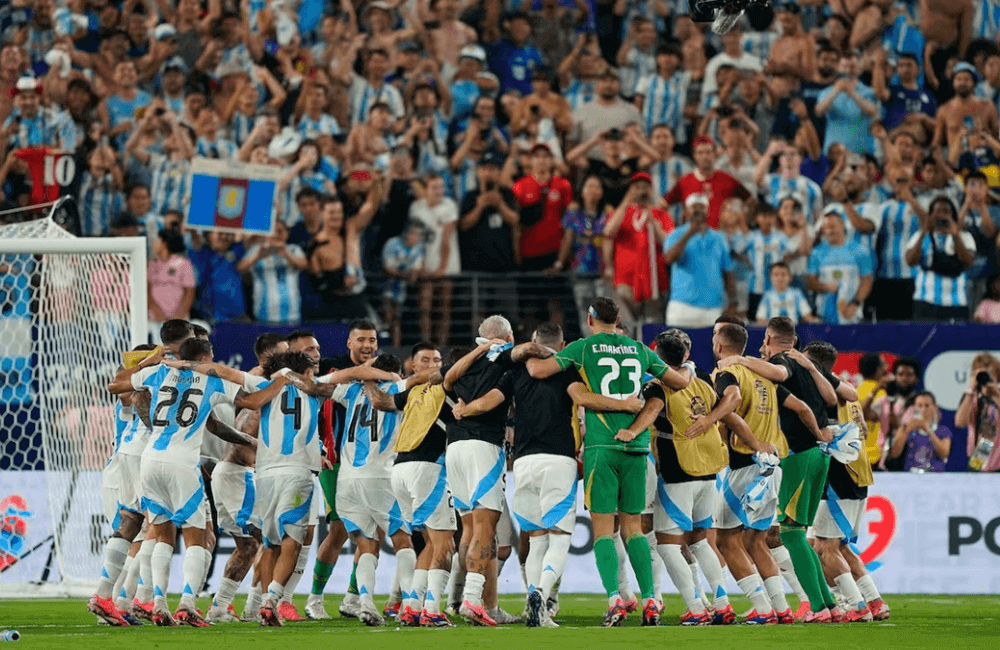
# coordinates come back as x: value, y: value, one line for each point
x: 69, y: 307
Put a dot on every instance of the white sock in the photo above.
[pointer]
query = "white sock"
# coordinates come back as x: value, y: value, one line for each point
x: 784, y: 561
x: 624, y: 588
x: 867, y: 588
x: 160, y: 562
x: 395, y: 594
x: 300, y: 569
x: 695, y: 571
x: 254, y: 599
x: 537, y: 546
x: 849, y: 588
x: 776, y: 592
x: 524, y: 577
x: 418, y: 591
x: 474, y: 583
x: 406, y: 562
x: 274, y: 593
x: 437, y: 581
x: 680, y: 573
x: 456, y: 580
x: 224, y: 596
x: 144, y: 589
x: 754, y: 590
x: 194, y: 569
x: 657, y: 567
x: 115, y: 554
x: 367, y: 564
x: 119, y: 588
x: 131, y: 582
x: 554, y: 563
x: 712, y: 569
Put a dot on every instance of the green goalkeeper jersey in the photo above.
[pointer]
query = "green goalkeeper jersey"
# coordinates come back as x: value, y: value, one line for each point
x: 612, y: 365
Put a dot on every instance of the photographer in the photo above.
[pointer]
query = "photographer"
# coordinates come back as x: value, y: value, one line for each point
x: 923, y: 442
x: 979, y: 411
x: 944, y: 251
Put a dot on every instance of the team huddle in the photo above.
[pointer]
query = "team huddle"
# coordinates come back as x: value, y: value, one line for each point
x: 681, y: 470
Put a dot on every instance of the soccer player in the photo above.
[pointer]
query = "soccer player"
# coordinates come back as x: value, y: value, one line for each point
x: 419, y: 481
x: 173, y: 333
x: 838, y: 518
x: 614, y: 469
x: 267, y: 345
x: 475, y: 461
x: 757, y: 403
x: 172, y: 485
x: 546, y: 439
x: 122, y: 502
x: 804, y: 470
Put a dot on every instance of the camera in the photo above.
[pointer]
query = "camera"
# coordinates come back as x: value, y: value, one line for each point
x: 942, y: 223
x: 892, y: 389
x: 983, y: 379
x: 615, y: 134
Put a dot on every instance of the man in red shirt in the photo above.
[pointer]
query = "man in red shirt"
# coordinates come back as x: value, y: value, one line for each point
x: 633, y: 239
x: 717, y: 185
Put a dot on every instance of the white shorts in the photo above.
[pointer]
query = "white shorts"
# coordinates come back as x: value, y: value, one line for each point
x: 682, y: 507
x: 174, y: 493
x: 839, y: 519
x: 720, y: 504
x: 734, y: 515
x: 110, y: 480
x: 234, y: 491
x: 284, y: 506
x: 545, y: 492
x: 652, y: 477
x: 130, y: 482
x: 368, y: 504
x: 421, y: 490
x: 475, y: 475
x: 506, y: 534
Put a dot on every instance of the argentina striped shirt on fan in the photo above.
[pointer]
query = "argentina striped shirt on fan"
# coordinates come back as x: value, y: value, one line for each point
x: 663, y: 101
x: 171, y: 179
x: 776, y: 187
x: 367, y: 447
x: 934, y: 288
x: 276, y: 297
x: 899, y: 224
x: 99, y: 201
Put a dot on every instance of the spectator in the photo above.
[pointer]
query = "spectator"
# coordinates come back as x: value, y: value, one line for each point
x: 793, y: 226
x: 701, y: 286
x: 980, y: 217
x: 901, y: 219
x: 963, y: 114
x: 923, y: 440
x: 100, y: 195
x: 489, y: 219
x: 120, y: 110
x: 874, y: 378
x: 274, y: 266
x: 578, y: 71
x: 763, y: 247
x: 451, y: 35
x: 907, y: 100
x: 789, y: 179
x: 605, y: 112
x: 988, y: 310
x: 717, y: 186
x: 783, y: 300
x: 544, y: 114
x: 512, y: 59
x: 556, y: 28
x: 979, y: 412
x: 543, y: 198
x: 739, y: 155
x: 633, y: 238
x: 583, y: 235
x: 171, y: 169
x: 793, y: 55
x: 372, y: 88
x: 667, y: 167
x: 464, y: 89
x: 402, y: 261
x: 314, y: 120
x: 636, y: 57
x: 732, y: 54
x: 309, y: 203
x: 220, y: 287
x: 892, y: 410
x: 171, y: 281
x: 335, y: 275
x: 849, y: 107
x: 439, y: 216
x: 370, y: 142
x: 660, y: 97
x: 840, y: 272
x: 942, y: 252
x: 615, y: 167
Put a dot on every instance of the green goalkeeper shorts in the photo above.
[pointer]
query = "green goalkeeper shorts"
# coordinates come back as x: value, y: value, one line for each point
x: 614, y: 481
x: 803, y: 479
x: 328, y: 483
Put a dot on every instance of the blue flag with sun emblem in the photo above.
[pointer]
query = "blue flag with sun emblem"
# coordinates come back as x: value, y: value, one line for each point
x: 232, y: 197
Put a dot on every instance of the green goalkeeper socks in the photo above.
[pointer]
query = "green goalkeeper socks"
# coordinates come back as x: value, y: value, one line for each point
x: 607, y: 563
x: 353, y: 587
x: 641, y: 560
x: 807, y: 566
x: 321, y: 575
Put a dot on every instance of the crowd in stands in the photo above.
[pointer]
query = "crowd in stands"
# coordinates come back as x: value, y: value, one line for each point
x: 833, y: 161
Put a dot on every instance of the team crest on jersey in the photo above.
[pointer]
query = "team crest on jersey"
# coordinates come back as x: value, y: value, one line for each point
x: 698, y: 406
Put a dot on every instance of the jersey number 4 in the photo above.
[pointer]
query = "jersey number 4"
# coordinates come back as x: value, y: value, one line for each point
x: 633, y: 375
x: 364, y: 416
x: 187, y: 410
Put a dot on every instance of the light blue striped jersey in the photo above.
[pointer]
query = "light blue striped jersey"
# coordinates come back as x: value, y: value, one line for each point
x: 899, y: 224
x: 986, y: 19
x: 367, y: 446
x: 363, y: 95
x: 326, y: 124
x: 122, y: 110
x: 179, y: 406
x: 638, y: 66
x: 665, y: 175
x: 131, y: 435
x: 763, y: 251
x: 579, y: 93
x: 288, y: 429
x: 807, y: 191
x: 931, y: 287
x: 99, y: 200
x: 170, y: 183
x: 866, y: 240
x: 219, y: 149
x: 663, y: 100
x: 276, y: 297
x: 845, y: 266
x: 791, y: 303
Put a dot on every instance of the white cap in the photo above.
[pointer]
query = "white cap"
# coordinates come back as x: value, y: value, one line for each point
x: 284, y: 144
x: 166, y: 30
x: 694, y: 199
x: 473, y: 52
x: 377, y: 4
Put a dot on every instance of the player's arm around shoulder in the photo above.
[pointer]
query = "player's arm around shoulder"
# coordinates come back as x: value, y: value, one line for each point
x: 644, y: 420
x: 129, y: 379
x: 543, y: 368
x: 262, y: 392
x: 584, y: 397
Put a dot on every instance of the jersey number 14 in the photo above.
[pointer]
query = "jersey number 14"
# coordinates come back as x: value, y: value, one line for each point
x: 365, y: 416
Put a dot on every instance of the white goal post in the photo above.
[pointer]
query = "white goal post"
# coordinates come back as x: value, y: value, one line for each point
x: 69, y: 307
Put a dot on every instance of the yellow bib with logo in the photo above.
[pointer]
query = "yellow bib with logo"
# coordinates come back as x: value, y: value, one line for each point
x: 420, y: 413
x: 860, y: 468
x: 758, y: 408
x: 707, y: 453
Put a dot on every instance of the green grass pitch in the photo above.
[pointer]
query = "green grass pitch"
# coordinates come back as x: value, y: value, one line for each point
x: 917, y: 622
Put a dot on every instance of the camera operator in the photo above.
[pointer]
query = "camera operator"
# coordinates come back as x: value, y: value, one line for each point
x: 979, y: 410
x: 892, y: 405
x: 923, y: 443
x: 942, y: 252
